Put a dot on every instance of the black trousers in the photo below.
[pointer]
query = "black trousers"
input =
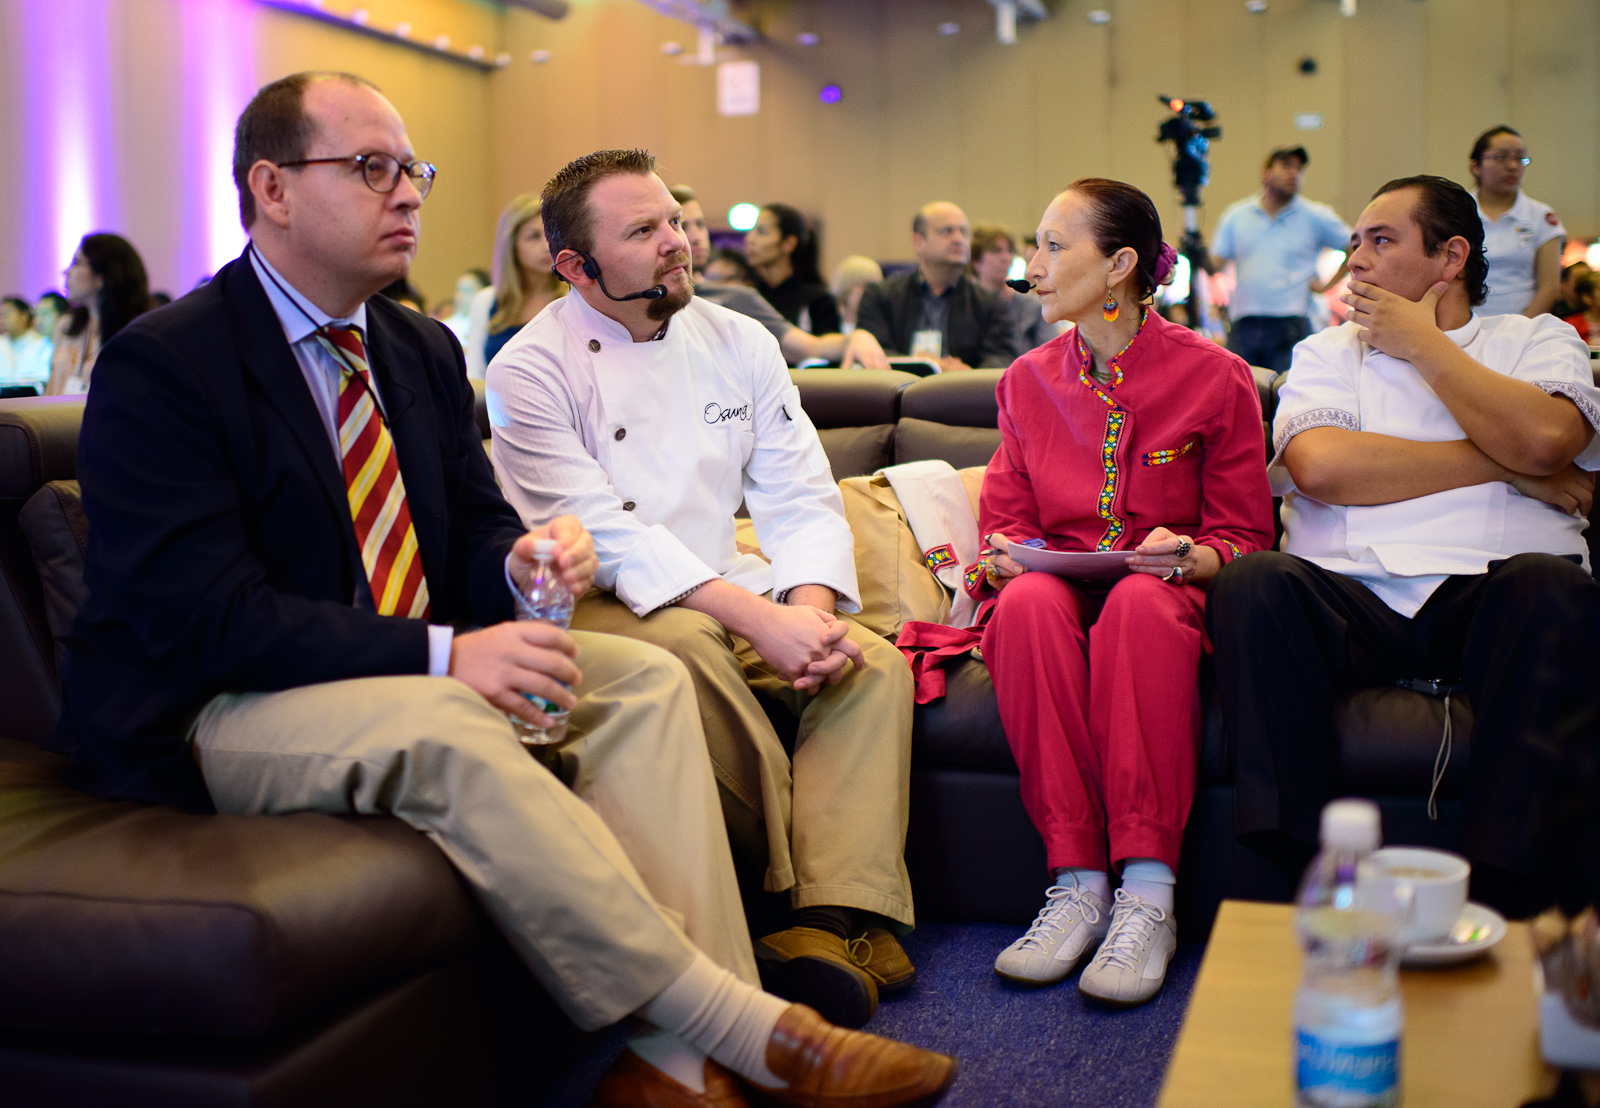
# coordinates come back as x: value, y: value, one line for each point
x: 1524, y: 638
x: 1267, y: 340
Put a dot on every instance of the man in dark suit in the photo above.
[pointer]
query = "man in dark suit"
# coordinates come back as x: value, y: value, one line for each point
x: 298, y: 571
x: 937, y: 310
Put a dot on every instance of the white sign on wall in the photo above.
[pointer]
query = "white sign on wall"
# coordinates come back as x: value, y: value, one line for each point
x: 1308, y: 121
x: 738, y: 88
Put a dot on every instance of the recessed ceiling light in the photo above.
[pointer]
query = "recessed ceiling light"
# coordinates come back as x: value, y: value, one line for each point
x: 949, y: 28
x: 830, y: 94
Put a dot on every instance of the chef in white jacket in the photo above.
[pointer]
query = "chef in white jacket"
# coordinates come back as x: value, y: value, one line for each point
x: 649, y: 414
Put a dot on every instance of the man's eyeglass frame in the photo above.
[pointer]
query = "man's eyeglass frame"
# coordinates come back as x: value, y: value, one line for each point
x: 421, y: 173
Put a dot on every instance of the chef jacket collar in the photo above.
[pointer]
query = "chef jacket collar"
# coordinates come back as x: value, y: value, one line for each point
x: 596, y: 324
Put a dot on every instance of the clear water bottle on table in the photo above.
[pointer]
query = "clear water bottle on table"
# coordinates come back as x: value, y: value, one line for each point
x: 1347, y: 1014
x: 546, y: 598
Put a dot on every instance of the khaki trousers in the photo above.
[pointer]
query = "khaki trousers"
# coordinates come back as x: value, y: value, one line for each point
x: 835, y: 819
x: 604, y: 890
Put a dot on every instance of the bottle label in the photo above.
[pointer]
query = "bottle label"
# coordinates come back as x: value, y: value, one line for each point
x: 1365, y: 1075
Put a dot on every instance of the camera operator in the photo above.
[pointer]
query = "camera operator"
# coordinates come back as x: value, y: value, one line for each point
x: 1274, y: 239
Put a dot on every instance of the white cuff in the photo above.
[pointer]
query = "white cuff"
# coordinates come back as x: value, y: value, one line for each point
x: 440, y: 637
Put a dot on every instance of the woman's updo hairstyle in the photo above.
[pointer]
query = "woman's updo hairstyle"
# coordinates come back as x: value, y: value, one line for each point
x: 1121, y: 215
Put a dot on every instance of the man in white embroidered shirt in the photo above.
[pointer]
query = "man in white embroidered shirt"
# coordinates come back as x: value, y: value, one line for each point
x: 1436, y: 467
x: 650, y: 413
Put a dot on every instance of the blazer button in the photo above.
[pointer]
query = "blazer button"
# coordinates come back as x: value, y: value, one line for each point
x: 594, y: 346
x: 622, y: 433
x: 628, y: 505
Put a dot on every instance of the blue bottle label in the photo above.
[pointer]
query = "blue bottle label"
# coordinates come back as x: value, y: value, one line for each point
x: 1347, y: 1074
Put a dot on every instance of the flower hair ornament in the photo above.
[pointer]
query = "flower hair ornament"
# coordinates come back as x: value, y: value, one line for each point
x: 1166, y: 262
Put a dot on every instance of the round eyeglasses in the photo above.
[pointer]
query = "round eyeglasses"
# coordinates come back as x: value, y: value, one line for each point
x: 1508, y: 159
x: 380, y: 171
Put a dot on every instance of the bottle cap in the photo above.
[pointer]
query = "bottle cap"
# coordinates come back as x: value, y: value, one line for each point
x: 544, y: 548
x: 1351, y: 825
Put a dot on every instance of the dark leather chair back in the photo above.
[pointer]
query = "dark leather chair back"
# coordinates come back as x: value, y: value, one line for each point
x: 854, y: 411
x: 953, y: 417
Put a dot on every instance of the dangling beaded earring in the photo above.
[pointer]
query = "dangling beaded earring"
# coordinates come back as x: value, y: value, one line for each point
x: 1110, y: 309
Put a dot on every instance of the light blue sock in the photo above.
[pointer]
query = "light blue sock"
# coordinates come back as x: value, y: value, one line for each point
x: 1149, y: 880
x: 1095, y: 881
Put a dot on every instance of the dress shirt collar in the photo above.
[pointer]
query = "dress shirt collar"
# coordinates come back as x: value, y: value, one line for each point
x: 1294, y: 204
x: 297, y: 315
x: 595, y: 322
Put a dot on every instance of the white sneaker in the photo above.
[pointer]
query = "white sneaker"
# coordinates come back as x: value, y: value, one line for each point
x: 1072, y: 920
x: 1132, y: 962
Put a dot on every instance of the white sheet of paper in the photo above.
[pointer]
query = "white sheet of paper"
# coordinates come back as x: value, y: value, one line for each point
x: 1095, y: 565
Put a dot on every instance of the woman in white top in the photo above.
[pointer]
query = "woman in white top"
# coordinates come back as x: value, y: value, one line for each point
x: 1522, y: 238
x: 524, y: 283
x: 107, y: 287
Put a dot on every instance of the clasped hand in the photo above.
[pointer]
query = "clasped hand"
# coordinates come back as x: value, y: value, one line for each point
x: 807, y: 646
x: 1390, y: 323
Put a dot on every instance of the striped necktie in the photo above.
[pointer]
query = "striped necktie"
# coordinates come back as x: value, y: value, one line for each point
x: 376, y: 491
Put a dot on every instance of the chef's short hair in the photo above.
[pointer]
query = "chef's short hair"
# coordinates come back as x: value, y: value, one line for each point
x: 568, y: 218
x: 1443, y: 211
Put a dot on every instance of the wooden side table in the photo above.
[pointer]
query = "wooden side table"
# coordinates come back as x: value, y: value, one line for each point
x: 1471, y: 1037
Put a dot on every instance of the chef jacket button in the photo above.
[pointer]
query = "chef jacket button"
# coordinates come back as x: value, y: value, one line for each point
x: 628, y: 505
x: 622, y: 433
x: 594, y: 346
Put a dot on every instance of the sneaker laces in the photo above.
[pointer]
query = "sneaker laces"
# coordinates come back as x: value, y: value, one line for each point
x: 1058, y: 900
x: 1133, y: 924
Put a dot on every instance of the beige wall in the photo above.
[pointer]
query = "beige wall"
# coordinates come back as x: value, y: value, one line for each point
x: 1402, y: 88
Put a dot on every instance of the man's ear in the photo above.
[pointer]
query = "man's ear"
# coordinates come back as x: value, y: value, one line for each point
x: 1456, y: 253
x: 269, y: 186
x: 570, y: 266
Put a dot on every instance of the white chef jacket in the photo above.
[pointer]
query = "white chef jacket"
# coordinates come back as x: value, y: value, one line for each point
x: 653, y: 445
x: 1509, y: 244
x: 1405, y: 550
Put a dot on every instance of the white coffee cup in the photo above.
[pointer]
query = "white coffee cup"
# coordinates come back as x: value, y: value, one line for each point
x: 1438, y: 880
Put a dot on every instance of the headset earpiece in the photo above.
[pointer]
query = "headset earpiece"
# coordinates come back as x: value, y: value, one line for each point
x: 591, y: 268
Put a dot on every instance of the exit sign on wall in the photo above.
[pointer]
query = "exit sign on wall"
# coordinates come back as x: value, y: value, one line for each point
x: 738, y: 88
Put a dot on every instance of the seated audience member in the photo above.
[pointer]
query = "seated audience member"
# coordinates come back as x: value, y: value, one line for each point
x: 728, y: 266
x: 26, y: 359
x: 405, y: 294
x: 1436, y: 465
x: 456, y: 313
x: 650, y: 420
x: 1126, y: 433
x: 1586, y: 316
x: 106, y: 288
x: 47, y: 312
x: 1567, y: 302
x: 797, y: 345
x: 254, y: 645
x: 1522, y: 238
x: 850, y: 280
x: 782, y: 249
x: 524, y: 284
x: 936, y: 310
x: 993, y: 251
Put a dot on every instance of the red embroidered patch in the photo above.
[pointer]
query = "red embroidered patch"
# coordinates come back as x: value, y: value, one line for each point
x: 1550, y: 218
x: 940, y: 556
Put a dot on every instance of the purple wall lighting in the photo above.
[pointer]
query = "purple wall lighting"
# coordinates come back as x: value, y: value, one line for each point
x: 218, y: 81
x: 830, y: 94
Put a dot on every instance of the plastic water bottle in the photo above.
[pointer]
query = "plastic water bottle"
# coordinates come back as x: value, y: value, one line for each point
x: 547, y: 598
x: 1347, y: 1014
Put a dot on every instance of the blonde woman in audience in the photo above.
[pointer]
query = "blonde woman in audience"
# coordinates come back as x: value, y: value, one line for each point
x: 850, y: 280
x: 106, y: 287
x: 524, y: 283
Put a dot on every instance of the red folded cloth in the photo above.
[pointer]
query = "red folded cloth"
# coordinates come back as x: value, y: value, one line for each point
x: 927, y: 646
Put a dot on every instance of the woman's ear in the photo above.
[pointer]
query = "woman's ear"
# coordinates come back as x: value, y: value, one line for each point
x: 1123, y: 263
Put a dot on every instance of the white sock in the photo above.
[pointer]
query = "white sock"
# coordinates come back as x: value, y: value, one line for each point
x: 712, y: 1011
x: 1149, y: 880
x: 1095, y: 881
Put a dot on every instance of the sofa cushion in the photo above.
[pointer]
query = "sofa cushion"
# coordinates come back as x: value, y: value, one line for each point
x: 1389, y: 738
x: 857, y: 451
x: 58, y: 533
x: 117, y: 917
x: 917, y: 440
x: 959, y: 399
x: 962, y: 729
x: 850, y: 397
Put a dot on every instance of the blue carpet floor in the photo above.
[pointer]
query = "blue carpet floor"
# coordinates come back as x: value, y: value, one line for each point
x: 1018, y: 1047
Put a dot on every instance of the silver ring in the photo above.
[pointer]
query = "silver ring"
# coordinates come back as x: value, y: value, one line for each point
x: 1176, y: 576
x: 1184, y: 547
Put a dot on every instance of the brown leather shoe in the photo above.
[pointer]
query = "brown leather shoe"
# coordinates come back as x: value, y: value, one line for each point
x: 813, y: 967
x: 877, y: 951
x: 830, y: 1067
x: 631, y: 1082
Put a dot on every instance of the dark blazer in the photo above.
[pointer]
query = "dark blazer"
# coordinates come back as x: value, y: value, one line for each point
x: 980, y: 331
x: 221, y: 554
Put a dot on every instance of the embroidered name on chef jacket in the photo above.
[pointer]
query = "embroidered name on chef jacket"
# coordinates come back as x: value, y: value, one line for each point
x: 715, y: 413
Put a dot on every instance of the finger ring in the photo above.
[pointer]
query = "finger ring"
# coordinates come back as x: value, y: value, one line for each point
x: 1184, y: 547
x: 1176, y: 576
x: 1170, y: 573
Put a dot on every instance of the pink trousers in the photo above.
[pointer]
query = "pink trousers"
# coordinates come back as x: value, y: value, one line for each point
x: 1100, y: 700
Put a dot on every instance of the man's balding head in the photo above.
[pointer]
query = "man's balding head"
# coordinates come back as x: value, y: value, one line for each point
x: 940, y: 236
x: 275, y: 127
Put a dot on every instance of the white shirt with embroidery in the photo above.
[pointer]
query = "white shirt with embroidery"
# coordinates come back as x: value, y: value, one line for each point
x: 654, y: 444
x: 1405, y: 550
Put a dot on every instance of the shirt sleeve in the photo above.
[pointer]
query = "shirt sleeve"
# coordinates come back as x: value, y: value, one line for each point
x: 1235, y: 501
x: 1335, y: 232
x: 545, y: 471
x: 1548, y: 226
x: 796, y: 507
x: 1007, y: 505
x: 1557, y: 361
x: 1222, y: 244
x: 1320, y: 391
x: 751, y: 303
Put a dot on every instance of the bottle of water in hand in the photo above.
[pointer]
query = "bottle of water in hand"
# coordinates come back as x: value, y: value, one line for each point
x: 547, y: 598
x: 1347, y: 1014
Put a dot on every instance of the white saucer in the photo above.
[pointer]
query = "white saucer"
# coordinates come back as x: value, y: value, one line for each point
x: 1481, y: 928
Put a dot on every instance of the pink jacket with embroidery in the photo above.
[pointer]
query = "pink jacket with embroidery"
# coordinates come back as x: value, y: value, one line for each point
x: 1173, y: 440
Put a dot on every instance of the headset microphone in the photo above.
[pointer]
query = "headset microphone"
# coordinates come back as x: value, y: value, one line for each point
x: 1021, y: 285
x: 591, y: 270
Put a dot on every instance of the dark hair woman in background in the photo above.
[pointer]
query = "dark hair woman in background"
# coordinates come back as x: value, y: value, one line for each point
x: 1521, y: 237
x: 782, y: 249
x: 1126, y: 433
x: 107, y: 287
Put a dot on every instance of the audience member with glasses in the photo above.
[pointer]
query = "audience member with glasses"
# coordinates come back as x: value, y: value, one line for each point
x: 1522, y: 238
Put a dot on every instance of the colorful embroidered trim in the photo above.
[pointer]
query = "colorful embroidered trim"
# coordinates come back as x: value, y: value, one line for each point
x: 1086, y: 363
x: 1237, y: 553
x: 1115, y: 421
x: 1162, y: 457
x: 1316, y: 417
x: 973, y: 575
x: 939, y: 557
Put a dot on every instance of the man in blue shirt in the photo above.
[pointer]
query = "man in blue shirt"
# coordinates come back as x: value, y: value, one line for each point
x: 1273, y: 239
